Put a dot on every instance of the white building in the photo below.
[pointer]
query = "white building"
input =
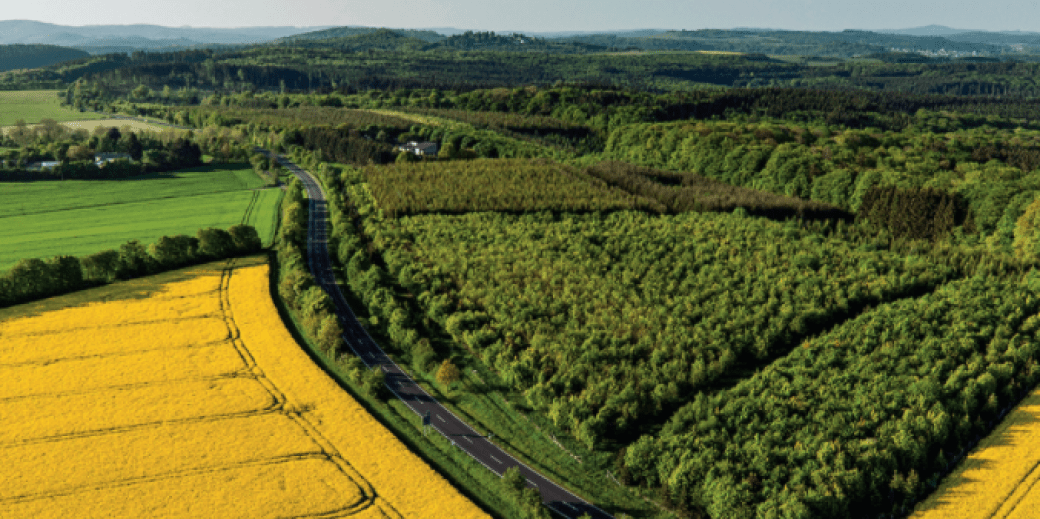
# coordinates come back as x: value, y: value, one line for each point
x: 44, y: 165
x: 422, y: 149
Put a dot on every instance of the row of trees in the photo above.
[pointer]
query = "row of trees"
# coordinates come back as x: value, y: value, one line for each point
x: 607, y: 323
x: 509, y: 185
x: 31, y: 279
x: 859, y: 422
x: 685, y: 192
x: 982, y: 170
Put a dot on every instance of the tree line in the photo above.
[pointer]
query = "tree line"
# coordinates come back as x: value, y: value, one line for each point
x: 861, y: 421
x: 32, y: 279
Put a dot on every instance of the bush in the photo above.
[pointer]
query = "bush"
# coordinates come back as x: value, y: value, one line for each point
x: 216, y: 243
x: 245, y: 238
x: 330, y: 336
x: 448, y: 373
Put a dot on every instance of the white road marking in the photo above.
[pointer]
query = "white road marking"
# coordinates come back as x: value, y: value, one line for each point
x: 441, y: 418
x: 467, y: 439
x: 496, y: 460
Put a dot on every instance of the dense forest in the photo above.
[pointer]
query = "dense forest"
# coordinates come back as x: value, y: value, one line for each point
x: 484, y: 60
x: 20, y: 56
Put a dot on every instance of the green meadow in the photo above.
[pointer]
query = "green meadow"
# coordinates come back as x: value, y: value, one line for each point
x: 50, y: 218
x: 33, y: 106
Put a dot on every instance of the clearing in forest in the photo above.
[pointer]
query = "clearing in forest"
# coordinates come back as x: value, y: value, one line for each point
x: 32, y: 106
x: 191, y: 399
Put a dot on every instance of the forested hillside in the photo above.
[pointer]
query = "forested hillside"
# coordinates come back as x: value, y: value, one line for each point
x: 20, y: 56
x: 484, y: 60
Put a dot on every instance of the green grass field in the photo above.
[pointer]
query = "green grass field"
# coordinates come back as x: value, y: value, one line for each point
x: 36, y: 105
x: 44, y: 219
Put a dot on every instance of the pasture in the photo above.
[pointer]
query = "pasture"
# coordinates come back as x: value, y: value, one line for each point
x: 32, y: 106
x: 49, y: 218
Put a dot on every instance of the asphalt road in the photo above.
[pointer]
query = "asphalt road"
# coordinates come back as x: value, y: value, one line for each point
x: 401, y: 384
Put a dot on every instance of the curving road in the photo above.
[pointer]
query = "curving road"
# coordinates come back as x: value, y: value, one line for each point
x: 463, y: 436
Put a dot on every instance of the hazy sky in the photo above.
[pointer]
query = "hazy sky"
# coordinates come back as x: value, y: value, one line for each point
x: 541, y: 15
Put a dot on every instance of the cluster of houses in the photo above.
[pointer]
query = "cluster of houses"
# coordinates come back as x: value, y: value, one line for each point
x: 99, y: 158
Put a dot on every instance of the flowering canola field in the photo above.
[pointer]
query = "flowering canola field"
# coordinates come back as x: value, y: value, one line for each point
x: 192, y: 402
x: 999, y: 478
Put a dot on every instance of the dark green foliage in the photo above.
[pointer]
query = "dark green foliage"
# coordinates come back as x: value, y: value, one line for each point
x: 134, y: 260
x: 854, y: 422
x: 134, y: 147
x: 35, y: 278
x: 345, y: 146
x: 607, y: 322
x: 374, y: 381
x: 32, y: 279
x: 103, y: 266
x: 245, y: 239
x: 918, y: 214
x: 174, y: 251
x: 19, y: 56
x: 685, y: 192
x: 216, y: 243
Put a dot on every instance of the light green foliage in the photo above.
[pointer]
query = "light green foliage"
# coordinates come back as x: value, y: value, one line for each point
x: 26, y: 198
x: 1027, y: 233
x: 604, y: 321
x: 47, y: 218
x: 492, y: 185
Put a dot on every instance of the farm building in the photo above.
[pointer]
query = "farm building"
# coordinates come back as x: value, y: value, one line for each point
x: 40, y: 166
x: 422, y: 149
x: 103, y: 158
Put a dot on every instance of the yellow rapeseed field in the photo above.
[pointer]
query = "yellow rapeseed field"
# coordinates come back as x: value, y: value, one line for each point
x: 998, y: 479
x: 192, y: 401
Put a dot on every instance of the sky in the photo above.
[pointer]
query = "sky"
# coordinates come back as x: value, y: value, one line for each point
x: 541, y: 15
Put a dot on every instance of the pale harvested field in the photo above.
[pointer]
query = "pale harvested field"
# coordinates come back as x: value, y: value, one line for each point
x: 999, y: 478
x: 193, y: 401
x: 91, y: 124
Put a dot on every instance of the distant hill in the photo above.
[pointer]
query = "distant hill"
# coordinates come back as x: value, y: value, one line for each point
x: 927, y: 30
x: 136, y: 37
x: 364, y: 38
x: 380, y: 39
x: 514, y: 42
x: 20, y: 56
x: 843, y: 44
x: 339, y: 33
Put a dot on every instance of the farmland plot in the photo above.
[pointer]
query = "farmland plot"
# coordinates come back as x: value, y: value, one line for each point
x: 192, y: 402
x: 999, y: 478
x: 49, y: 218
